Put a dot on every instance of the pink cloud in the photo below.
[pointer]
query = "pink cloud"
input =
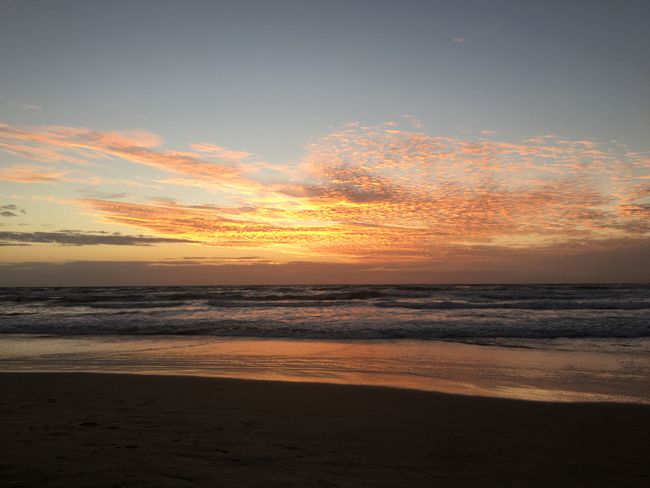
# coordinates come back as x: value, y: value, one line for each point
x: 30, y: 174
x: 77, y: 144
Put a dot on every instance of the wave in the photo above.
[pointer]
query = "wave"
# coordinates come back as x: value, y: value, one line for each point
x: 346, y: 331
x: 244, y: 304
x: 335, y: 312
x: 524, y: 305
x: 61, y: 297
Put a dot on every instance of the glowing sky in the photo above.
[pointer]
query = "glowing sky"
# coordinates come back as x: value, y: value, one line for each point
x: 263, y: 142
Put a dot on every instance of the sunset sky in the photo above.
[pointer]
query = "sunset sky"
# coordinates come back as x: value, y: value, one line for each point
x: 199, y: 142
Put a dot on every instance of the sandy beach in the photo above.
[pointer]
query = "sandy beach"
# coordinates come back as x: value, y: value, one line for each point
x: 109, y: 430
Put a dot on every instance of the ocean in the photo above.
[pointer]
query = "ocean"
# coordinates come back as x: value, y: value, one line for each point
x: 575, y: 342
x: 467, y: 312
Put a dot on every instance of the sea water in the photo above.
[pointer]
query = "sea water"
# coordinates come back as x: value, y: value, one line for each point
x: 558, y: 342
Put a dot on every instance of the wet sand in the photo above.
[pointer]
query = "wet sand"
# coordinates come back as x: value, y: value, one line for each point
x: 108, y: 430
x: 561, y: 372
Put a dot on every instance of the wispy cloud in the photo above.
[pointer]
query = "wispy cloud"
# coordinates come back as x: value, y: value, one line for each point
x: 30, y: 174
x: 79, y: 145
x: 221, y: 152
x: 79, y: 238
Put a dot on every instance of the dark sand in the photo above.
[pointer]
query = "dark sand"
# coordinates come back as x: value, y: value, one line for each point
x: 89, y: 430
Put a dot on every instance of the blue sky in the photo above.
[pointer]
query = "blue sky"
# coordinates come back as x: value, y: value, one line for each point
x: 266, y: 76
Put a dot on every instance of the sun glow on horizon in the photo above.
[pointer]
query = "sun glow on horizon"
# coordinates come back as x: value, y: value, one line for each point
x: 361, y: 194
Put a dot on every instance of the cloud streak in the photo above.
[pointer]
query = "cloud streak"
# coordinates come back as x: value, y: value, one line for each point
x: 78, y: 145
x: 30, y: 174
x: 78, y: 238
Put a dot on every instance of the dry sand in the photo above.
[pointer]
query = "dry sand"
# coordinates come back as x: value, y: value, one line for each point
x: 92, y: 430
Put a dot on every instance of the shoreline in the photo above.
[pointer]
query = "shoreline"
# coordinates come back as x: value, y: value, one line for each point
x: 88, y: 429
x: 562, y: 398
x: 315, y: 383
x: 443, y: 366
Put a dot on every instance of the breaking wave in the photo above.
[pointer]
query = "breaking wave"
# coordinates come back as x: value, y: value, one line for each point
x: 336, y: 312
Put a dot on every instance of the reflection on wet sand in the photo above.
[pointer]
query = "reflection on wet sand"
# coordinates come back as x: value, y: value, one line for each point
x: 535, y: 374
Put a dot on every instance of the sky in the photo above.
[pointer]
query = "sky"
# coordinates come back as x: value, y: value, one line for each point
x: 244, y: 142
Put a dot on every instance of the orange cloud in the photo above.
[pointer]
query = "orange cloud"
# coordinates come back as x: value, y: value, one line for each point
x: 380, y: 193
x: 221, y: 152
x: 30, y: 174
x: 78, y: 145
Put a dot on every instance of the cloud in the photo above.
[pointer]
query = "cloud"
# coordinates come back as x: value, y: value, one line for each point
x: 211, y: 224
x: 30, y: 174
x: 458, y: 39
x: 221, y: 152
x: 214, y: 261
x: 374, y: 193
x: 642, y: 210
x: 364, y: 193
x: 79, y: 145
x: 11, y: 210
x: 78, y: 238
x: 103, y: 195
x: 466, y: 190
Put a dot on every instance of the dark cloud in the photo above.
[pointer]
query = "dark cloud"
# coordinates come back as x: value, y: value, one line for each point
x: 212, y: 261
x: 11, y: 210
x: 229, y: 258
x: 76, y: 238
x: 244, y: 258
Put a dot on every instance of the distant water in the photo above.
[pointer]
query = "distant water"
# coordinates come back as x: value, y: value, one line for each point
x: 509, y: 314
